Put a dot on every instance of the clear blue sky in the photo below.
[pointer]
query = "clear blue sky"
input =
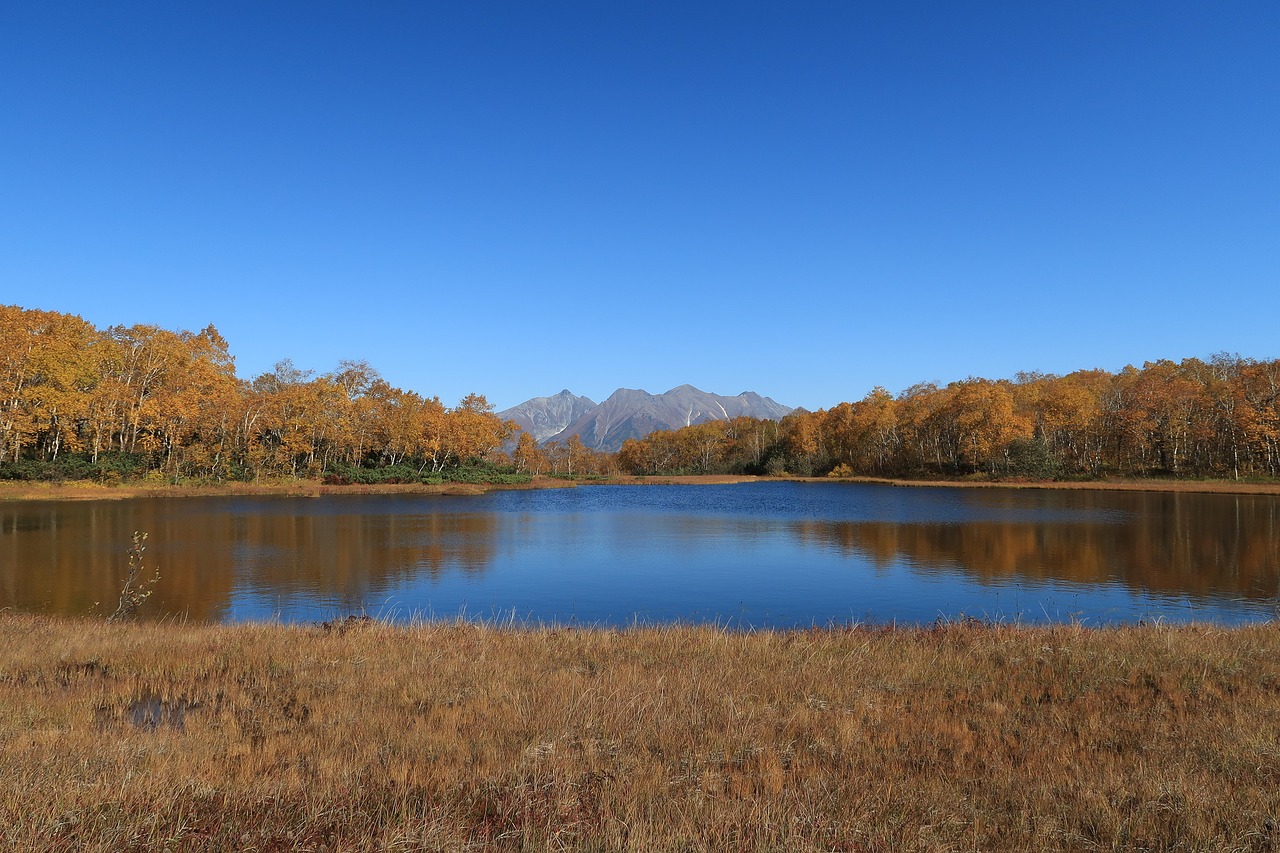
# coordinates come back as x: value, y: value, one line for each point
x: 802, y: 199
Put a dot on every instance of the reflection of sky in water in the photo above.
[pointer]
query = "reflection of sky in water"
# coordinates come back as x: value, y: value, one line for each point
x: 760, y: 555
x: 766, y: 584
x: 708, y: 563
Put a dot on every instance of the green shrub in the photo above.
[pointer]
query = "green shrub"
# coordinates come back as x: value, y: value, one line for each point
x: 486, y: 475
x: 1031, y: 457
x: 109, y: 467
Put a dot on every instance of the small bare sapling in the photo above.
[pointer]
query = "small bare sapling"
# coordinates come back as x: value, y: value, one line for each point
x: 135, y: 591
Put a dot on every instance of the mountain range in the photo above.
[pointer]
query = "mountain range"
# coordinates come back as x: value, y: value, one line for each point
x: 630, y: 413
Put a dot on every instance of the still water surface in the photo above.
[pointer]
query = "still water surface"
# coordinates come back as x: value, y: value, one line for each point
x: 747, y: 555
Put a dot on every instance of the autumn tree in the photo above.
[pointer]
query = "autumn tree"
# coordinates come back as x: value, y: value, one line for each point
x: 985, y: 422
x: 46, y: 371
x: 526, y: 456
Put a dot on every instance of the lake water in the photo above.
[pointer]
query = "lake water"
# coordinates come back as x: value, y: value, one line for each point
x: 757, y: 555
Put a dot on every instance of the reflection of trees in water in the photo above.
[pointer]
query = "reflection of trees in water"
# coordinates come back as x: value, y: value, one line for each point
x: 1174, y: 544
x: 64, y: 558
x: 346, y: 556
x: 71, y: 559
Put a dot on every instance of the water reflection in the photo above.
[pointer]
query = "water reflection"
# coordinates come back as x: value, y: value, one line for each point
x: 784, y: 553
x: 1222, y: 563
x: 71, y: 558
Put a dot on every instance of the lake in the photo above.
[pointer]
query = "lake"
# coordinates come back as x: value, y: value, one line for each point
x: 752, y: 555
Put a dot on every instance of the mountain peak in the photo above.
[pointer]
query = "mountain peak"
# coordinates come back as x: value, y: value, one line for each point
x: 543, y: 417
x: 633, y: 413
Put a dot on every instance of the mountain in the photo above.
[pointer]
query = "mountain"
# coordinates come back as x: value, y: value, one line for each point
x: 544, y: 417
x: 630, y: 413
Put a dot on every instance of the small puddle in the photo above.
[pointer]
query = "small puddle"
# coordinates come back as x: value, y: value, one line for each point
x: 152, y: 712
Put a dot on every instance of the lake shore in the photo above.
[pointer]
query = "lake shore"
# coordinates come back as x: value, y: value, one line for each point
x: 1208, y: 487
x: 359, y: 735
x: 84, y: 490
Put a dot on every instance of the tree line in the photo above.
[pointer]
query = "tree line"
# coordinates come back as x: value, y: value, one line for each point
x: 128, y: 400
x: 1194, y: 418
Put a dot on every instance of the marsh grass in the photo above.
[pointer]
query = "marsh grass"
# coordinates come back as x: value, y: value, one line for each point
x: 367, y: 736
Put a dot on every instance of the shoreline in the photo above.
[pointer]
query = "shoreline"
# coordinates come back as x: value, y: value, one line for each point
x: 1209, y: 487
x: 88, y: 490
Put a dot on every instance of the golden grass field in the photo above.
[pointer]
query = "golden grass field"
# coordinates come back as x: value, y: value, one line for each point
x: 365, y: 736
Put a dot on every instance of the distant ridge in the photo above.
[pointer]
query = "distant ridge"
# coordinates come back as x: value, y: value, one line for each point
x: 632, y: 413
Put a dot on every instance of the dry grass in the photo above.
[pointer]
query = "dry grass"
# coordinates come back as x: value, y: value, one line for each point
x: 22, y: 490
x: 364, y: 736
x: 1208, y: 487
x: 26, y: 491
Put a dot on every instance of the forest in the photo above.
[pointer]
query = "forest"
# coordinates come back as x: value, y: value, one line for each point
x: 78, y: 402
x: 125, y: 402
x: 1218, y: 418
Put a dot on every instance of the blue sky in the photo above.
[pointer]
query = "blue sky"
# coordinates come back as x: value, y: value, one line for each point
x: 802, y: 199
